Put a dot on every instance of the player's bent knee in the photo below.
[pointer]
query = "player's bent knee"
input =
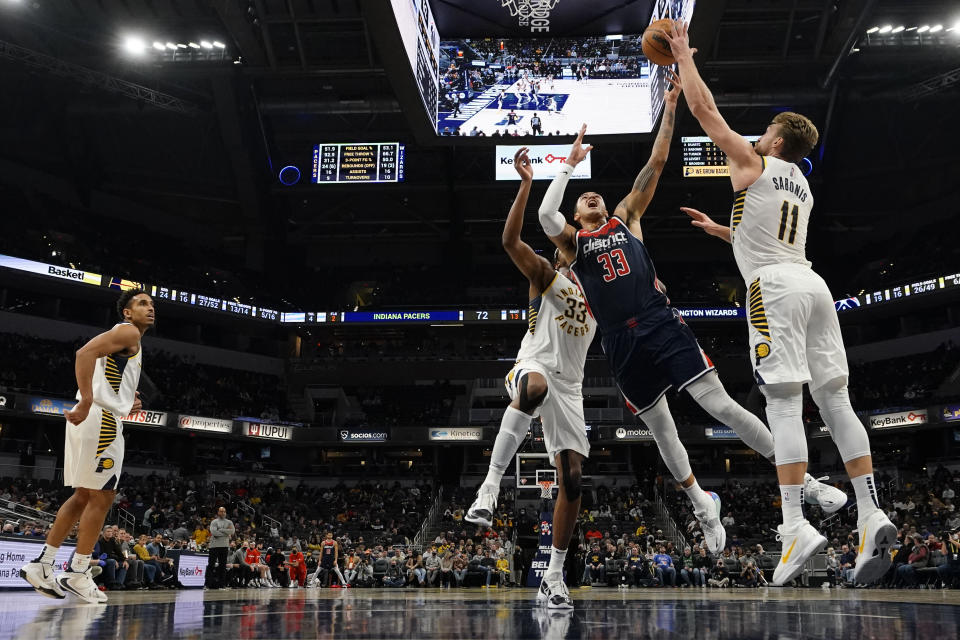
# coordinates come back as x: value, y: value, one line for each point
x: 533, y: 389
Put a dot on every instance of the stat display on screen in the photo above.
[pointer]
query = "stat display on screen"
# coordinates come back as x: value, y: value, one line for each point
x: 339, y: 163
x: 703, y: 159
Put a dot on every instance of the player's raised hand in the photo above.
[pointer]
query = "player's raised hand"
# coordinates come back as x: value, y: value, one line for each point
x: 702, y: 220
x: 672, y: 93
x: 137, y: 403
x: 680, y: 41
x: 521, y: 162
x: 578, y: 152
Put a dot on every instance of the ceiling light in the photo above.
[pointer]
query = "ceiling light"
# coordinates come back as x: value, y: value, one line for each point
x: 171, y: 46
x: 887, y: 29
x: 219, y: 45
x: 194, y: 45
x: 912, y: 29
x: 135, y: 45
x: 158, y: 46
x: 899, y: 29
x: 936, y: 28
x: 924, y: 29
x: 181, y: 46
x: 873, y: 29
x: 205, y: 44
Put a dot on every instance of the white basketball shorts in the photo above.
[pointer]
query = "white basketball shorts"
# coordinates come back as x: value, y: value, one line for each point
x: 93, y: 451
x: 794, y: 331
x: 561, y: 411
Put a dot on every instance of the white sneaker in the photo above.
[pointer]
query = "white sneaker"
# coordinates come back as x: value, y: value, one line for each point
x: 481, y: 511
x: 40, y: 576
x: 877, y: 536
x: 293, y: 585
x: 828, y: 497
x: 80, y: 584
x: 798, y: 546
x: 713, y: 532
x: 554, y: 594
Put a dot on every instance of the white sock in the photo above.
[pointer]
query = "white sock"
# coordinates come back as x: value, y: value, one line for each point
x: 80, y: 562
x: 557, y: 558
x: 513, y: 428
x: 701, y: 501
x: 866, y: 490
x: 792, y: 504
x: 48, y: 555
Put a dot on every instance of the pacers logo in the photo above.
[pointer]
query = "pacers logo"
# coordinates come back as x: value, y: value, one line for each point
x: 762, y: 350
x: 104, y: 464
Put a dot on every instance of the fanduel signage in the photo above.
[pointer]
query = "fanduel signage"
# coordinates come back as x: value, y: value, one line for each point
x: 271, y: 431
x: 364, y: 436
x: 456, y: 433
x: 899, y: 419
x: 633, y: 433
x: 534, y: 14
x: 721, y: 433
x: 199, y: 423
x: 154, y: 418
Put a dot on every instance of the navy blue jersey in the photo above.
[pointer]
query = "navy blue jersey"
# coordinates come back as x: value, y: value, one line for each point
x: 618, y: 279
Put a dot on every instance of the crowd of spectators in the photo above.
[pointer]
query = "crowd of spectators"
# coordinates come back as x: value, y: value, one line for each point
x: 905, y: 382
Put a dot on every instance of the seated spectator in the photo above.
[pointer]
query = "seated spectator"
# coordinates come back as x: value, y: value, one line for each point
x: 595, y: 569
x: 415, y: 570
x: 718, y: 576
x: 665, y: 569
x: 459, y: 568
x: 848, y: 559
x: 833, y: 567
x: 503, y: 571
x: 393, y: 576
x: 689, y: 574
x: 150, y: 566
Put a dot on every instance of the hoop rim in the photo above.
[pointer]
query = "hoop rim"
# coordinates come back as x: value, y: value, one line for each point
x: 546, y: 488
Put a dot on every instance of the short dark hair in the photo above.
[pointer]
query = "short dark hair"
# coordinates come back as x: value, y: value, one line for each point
x: 124, y: 301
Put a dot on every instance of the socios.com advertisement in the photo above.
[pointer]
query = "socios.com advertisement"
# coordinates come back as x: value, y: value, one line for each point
x: 545, y: 159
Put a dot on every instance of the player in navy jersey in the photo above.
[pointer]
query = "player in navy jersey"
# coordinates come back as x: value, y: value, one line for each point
x: 648, y: 346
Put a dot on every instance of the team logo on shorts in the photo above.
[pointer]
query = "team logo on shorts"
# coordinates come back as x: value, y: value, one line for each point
x: 762, y: 350
x: 104, y: 463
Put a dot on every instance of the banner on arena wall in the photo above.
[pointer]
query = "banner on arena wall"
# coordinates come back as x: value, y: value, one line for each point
x: 545, y: 159
x: 720, y: 432
x: 457, y: 434
x: 364, y: 435
x: 731, y: 313
x: 269, y: 431
x: 633, y: 433
x: 16, y: 553
x: 541, y: 561
x: 899, y: 419
x: 52, y: 270
x: 820, y: 431
x: 199, y: 423
x: 950, y: 413
x: 191, y: 568
x: 153, y: 418
x: 51, y: 406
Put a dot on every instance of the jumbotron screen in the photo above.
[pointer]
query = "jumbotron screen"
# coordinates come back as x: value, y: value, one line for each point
x: 528, y: 86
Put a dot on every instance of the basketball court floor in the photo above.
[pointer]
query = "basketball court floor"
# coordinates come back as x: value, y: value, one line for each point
x: 469, y: 614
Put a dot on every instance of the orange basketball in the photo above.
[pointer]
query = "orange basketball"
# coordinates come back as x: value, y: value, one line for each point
x: 655, y: 44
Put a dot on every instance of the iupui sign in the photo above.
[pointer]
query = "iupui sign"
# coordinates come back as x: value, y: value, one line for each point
x: 271, y: 431
x: 154, y: 418
x: 899, y: 419
x: 456, y: 433
x: 349, y: 435
x: 199, y: 423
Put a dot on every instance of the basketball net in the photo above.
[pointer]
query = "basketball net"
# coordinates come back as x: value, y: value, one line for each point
x: 546, y: 489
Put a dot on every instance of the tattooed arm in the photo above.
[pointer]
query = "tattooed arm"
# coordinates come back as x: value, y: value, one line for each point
x: 634, y: 205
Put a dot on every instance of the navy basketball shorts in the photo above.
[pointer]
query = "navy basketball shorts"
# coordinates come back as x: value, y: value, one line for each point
x: 648, y: 361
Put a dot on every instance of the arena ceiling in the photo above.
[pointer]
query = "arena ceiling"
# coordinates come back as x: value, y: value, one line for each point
x: 202, y: 142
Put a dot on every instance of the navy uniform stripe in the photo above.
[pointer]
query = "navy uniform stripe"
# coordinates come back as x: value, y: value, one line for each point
x: 108, y: 432
x: 758, y: 316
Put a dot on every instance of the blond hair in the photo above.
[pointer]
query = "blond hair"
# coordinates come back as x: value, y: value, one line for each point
x: 798, y: 133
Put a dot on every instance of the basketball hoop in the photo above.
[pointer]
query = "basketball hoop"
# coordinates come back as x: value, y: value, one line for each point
x: 546, y: 489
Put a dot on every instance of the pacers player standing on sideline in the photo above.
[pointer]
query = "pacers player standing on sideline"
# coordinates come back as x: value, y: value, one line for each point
x: 648, y: 346
x: 546, y: 380
x: 794, y: 333
x: 108, y: 372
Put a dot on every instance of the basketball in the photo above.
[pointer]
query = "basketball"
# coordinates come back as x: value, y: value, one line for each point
x: 655, y: 45
x: 716, y: 501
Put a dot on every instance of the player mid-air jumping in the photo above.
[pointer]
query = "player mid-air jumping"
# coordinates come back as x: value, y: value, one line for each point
x: 794, y: 332
x: 547, y: 381
x: 648, y: 346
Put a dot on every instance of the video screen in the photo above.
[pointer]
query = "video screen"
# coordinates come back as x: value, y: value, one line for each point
x: 530, y: 86
x: 421, y: 41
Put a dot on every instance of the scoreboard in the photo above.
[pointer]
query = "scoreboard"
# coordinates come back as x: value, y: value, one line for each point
x: 703, y: 159
x: 338, y: 163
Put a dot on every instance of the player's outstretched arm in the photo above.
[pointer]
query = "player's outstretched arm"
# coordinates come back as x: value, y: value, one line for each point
x: 537, y: 270
x: 745, y: 165
x: 635, y: 204
x: 563, y: 235
x: 702, y: 220
x: 121, y: 338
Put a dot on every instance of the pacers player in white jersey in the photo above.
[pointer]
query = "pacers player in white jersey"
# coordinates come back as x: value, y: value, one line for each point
x: 547, y: 381
x: 108, y: 372
x: 794, y: 333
